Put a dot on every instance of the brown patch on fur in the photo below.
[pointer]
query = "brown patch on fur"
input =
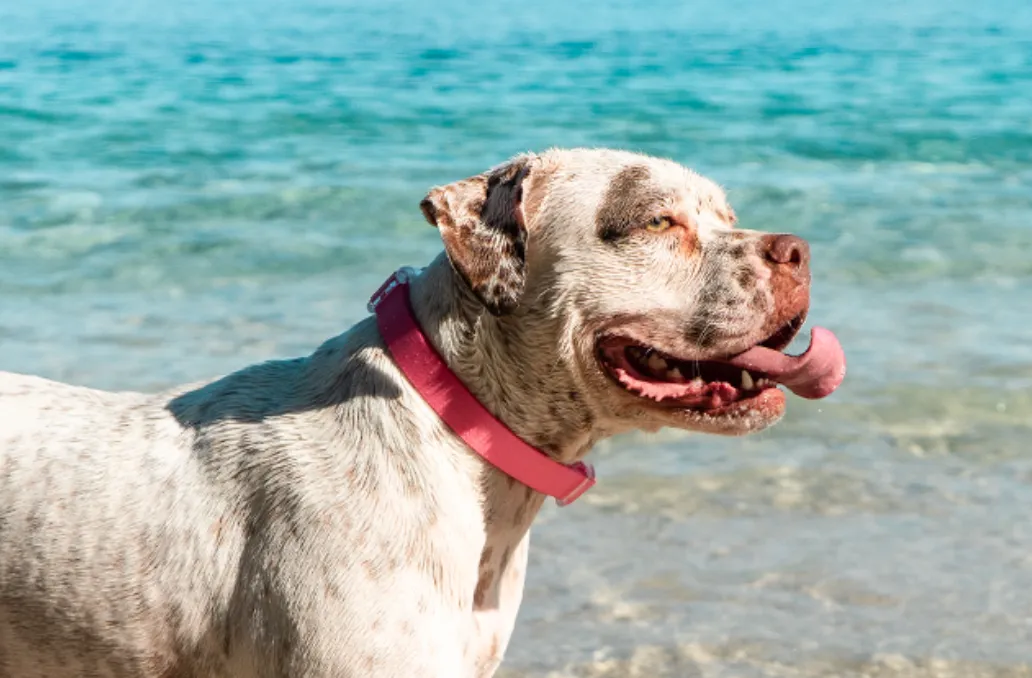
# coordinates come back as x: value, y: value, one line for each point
x: 486, y: 580
x: 628, y: 204
x: 485, y: 557
x: 437, y: 572
x: 520, y: 515
x: 506, y: 554
x: 690, y: 244
x: 514, y: 573
x: 745, y: 278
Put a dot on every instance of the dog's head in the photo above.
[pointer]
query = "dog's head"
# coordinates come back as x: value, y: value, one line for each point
x: 661, y: 311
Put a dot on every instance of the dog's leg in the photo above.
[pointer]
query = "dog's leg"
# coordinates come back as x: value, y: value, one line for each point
x: 369, y: 637
x: 496, y: 604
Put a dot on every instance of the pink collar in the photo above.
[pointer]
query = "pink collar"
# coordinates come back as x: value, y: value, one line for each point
x: 459, y: 409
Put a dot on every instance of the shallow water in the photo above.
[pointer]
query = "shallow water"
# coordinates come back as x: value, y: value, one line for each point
x: 188, y: 188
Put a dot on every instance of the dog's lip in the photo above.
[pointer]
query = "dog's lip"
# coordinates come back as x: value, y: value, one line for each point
x: 703, y: 387
x: 728, y: 411
x: 783, y: 336
x: 767, y: 405
x: 714, y: 384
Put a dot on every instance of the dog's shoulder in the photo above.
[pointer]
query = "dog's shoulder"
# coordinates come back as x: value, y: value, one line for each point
x: 341, y: 369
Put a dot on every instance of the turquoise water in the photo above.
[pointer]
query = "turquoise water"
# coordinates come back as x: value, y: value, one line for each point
x: 186, y: 188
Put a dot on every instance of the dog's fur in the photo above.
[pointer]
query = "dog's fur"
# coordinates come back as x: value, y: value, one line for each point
x: 313, y: 517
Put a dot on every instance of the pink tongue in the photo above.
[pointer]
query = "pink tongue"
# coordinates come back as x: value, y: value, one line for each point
x: 814, y: 374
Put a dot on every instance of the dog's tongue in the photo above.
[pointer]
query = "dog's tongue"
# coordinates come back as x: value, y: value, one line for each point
x: 814, y: 374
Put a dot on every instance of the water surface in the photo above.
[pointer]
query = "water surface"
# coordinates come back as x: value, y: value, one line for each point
x: 187, y: 188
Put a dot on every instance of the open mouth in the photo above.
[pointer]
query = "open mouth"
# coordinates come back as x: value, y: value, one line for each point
x: 718, y: 386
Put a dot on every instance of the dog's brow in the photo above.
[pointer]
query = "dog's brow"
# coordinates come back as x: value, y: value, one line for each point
x: 629, y: 202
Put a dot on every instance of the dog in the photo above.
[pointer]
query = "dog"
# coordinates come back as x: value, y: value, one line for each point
x: 319, y: 516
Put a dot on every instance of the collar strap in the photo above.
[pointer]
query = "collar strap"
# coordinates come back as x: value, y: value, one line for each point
x: 459, y: 409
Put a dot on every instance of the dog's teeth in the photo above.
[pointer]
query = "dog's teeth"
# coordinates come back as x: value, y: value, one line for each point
x: 656, y: 363
x: 747, y: 381
x: 674, y: 374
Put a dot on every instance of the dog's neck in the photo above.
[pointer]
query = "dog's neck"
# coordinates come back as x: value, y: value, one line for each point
x: 522, y: 382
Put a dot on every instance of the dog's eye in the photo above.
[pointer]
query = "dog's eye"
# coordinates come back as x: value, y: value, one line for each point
x: 657, y: 224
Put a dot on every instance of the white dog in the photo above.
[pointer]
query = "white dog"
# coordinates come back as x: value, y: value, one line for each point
x: 359, y: 512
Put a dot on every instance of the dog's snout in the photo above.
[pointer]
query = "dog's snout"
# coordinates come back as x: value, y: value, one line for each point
x: 789, y: 250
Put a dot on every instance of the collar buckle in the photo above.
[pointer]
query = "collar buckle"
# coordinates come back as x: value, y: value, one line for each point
x: 402, y: 276
x: 589, y: 480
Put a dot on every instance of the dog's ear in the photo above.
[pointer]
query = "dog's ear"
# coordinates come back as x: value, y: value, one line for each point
x: 482, y: 226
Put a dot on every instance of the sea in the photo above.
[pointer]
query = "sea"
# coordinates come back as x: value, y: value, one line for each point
x: 190, y: 187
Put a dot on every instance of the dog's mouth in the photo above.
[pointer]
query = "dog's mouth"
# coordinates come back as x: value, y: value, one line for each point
x: 734, y: 384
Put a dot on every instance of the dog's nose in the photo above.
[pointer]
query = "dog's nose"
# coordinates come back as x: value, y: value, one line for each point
x: 789, y: 250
